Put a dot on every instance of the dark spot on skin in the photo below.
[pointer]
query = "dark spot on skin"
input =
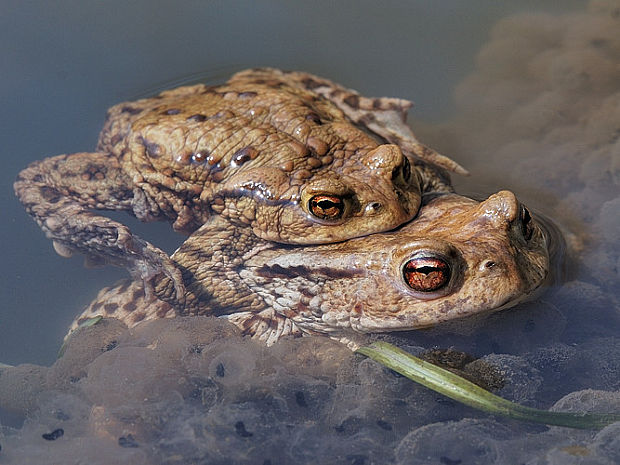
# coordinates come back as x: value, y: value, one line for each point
x: 248, y: 94
x: 197, y: 117
x: 220, y: 370
x: 306, y: 292
x: 110, y: 308
x: 130, y: 306
x: 278, y: 271
x: 208, y: 89
x: 197, y: 253
x: 367, y: 118
x: 137, y: 294
x: 300, y: 308
x: 223, y: 114
x: 49, y: 194
x: 353, y: 101
x: 153, y: 150
x: 311, y: 84
x: 127, y: 441
x: 218, y: 176
x: 243, y: 155
x: 131, y: 110
x: 172, y: 111
x: 241, y: 431
x: 57, y: 433
x: 138, y: 316
x: 300, y: 399
x: 162, y: 311
x: 116, y: 138
x: 123, y: 287
x: 35, y: 178
x: 313, y: 117
x: 96, y: 306
x: 92, y: 171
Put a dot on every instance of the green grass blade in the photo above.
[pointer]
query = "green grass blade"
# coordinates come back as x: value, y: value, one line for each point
x: 466, y: 392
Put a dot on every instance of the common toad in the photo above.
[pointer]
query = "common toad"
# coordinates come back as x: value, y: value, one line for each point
x: 283, y: 152
x: 459, y: 257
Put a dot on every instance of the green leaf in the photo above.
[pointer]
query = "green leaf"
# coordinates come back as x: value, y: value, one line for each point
x: 466, y: 392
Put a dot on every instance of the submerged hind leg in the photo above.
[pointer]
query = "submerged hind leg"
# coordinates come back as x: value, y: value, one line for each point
x: 125, y: 301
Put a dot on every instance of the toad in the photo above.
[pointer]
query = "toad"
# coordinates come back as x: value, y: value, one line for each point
x: 298, y: 158
x: 459, y: 257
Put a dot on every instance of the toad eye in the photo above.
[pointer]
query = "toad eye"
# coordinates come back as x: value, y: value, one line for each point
x: 406, y: 170
x: 527, y: 226
x: 326, y: 207
x: 426, y: 274
x: 402, y: 173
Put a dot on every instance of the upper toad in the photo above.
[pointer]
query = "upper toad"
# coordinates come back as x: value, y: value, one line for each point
x: 281, y: 152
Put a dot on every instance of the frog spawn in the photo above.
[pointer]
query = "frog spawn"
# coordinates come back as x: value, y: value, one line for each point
x: 192, y: 390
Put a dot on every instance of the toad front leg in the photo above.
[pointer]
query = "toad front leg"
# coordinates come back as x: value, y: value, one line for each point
x: 61, y: 191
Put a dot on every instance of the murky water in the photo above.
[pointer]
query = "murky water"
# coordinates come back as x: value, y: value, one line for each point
x: 536, y: 110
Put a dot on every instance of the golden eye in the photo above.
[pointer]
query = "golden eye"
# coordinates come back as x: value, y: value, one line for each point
x: 426, y: 274
x: 326, y: 207
x: 527, y: 226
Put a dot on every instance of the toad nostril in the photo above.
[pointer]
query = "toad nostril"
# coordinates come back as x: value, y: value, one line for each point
x: 487, y: 266
x: 373, y: 207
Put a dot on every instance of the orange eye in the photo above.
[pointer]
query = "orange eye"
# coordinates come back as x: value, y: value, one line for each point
x: 426, y: 274
x: 326, y: 207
